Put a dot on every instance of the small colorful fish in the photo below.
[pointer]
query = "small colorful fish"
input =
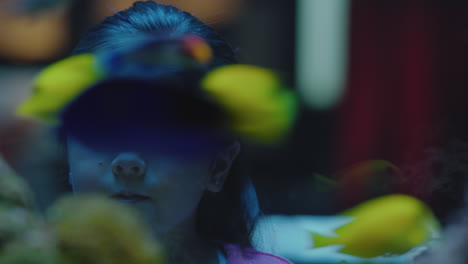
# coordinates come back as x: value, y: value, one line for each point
x: 197, y: 48
x: 392, y: 224
x: 360, y: 182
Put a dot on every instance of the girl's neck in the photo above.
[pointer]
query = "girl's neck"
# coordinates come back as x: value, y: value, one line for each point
x: 183, y: 245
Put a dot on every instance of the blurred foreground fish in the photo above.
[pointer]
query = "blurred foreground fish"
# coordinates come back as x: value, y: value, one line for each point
x: 103, y: 232
x: 258, y: 105
x: 388, y: 225
x: 13, y: 222
x: 36, y: 245
x: 24, y: 237
x: 78, y: 229
x: 14, y: 191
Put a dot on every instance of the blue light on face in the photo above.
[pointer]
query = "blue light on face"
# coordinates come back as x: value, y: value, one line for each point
x: 130, y: 115
x: 185, y: 143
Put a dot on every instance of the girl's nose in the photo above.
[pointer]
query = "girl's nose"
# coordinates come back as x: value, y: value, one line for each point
x: 128, y: 166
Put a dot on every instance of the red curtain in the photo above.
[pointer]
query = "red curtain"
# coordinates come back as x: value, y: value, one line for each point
x: 397, y: 104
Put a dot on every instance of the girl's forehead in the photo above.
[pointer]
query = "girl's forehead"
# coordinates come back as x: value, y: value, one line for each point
x: 163, y: 142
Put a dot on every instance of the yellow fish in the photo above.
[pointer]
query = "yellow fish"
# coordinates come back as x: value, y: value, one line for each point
x: 259, y: 105
x: 57, y: 85
x: 392, y: 224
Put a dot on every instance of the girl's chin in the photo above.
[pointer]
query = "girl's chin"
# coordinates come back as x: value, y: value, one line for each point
x: 132, y: 200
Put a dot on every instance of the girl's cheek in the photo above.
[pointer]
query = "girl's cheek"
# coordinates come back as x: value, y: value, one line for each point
x: 171, y: 178
x: 177, y: 173
x: 87, y: 175
x: 87, y: 167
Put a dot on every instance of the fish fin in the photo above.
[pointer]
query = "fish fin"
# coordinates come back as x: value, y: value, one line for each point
x: 321, y: 241
x: 324, y: 181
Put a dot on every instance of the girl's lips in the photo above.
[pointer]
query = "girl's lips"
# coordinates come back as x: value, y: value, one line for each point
x: 129, y: 197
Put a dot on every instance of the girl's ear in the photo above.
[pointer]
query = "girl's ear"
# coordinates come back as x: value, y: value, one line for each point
x: 221, y: 166
x: 70, y: 180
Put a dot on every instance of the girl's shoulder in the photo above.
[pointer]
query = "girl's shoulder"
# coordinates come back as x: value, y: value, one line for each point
x: 237, y: 255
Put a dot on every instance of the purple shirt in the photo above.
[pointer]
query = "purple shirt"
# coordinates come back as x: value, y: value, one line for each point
x: 236, y: 255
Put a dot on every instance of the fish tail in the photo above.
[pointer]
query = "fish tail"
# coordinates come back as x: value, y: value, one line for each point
x: 321, y: 241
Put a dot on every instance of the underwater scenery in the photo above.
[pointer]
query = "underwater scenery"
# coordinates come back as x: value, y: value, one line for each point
x: 233, y: 132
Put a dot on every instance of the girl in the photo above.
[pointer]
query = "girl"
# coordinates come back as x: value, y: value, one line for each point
x: 148, y: 117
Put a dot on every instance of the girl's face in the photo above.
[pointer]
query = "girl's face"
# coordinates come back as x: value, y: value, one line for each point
x: 165, y: 187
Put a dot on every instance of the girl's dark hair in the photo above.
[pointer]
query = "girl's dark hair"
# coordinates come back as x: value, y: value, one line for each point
x: 230, y: 215
x: 149, y: 19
